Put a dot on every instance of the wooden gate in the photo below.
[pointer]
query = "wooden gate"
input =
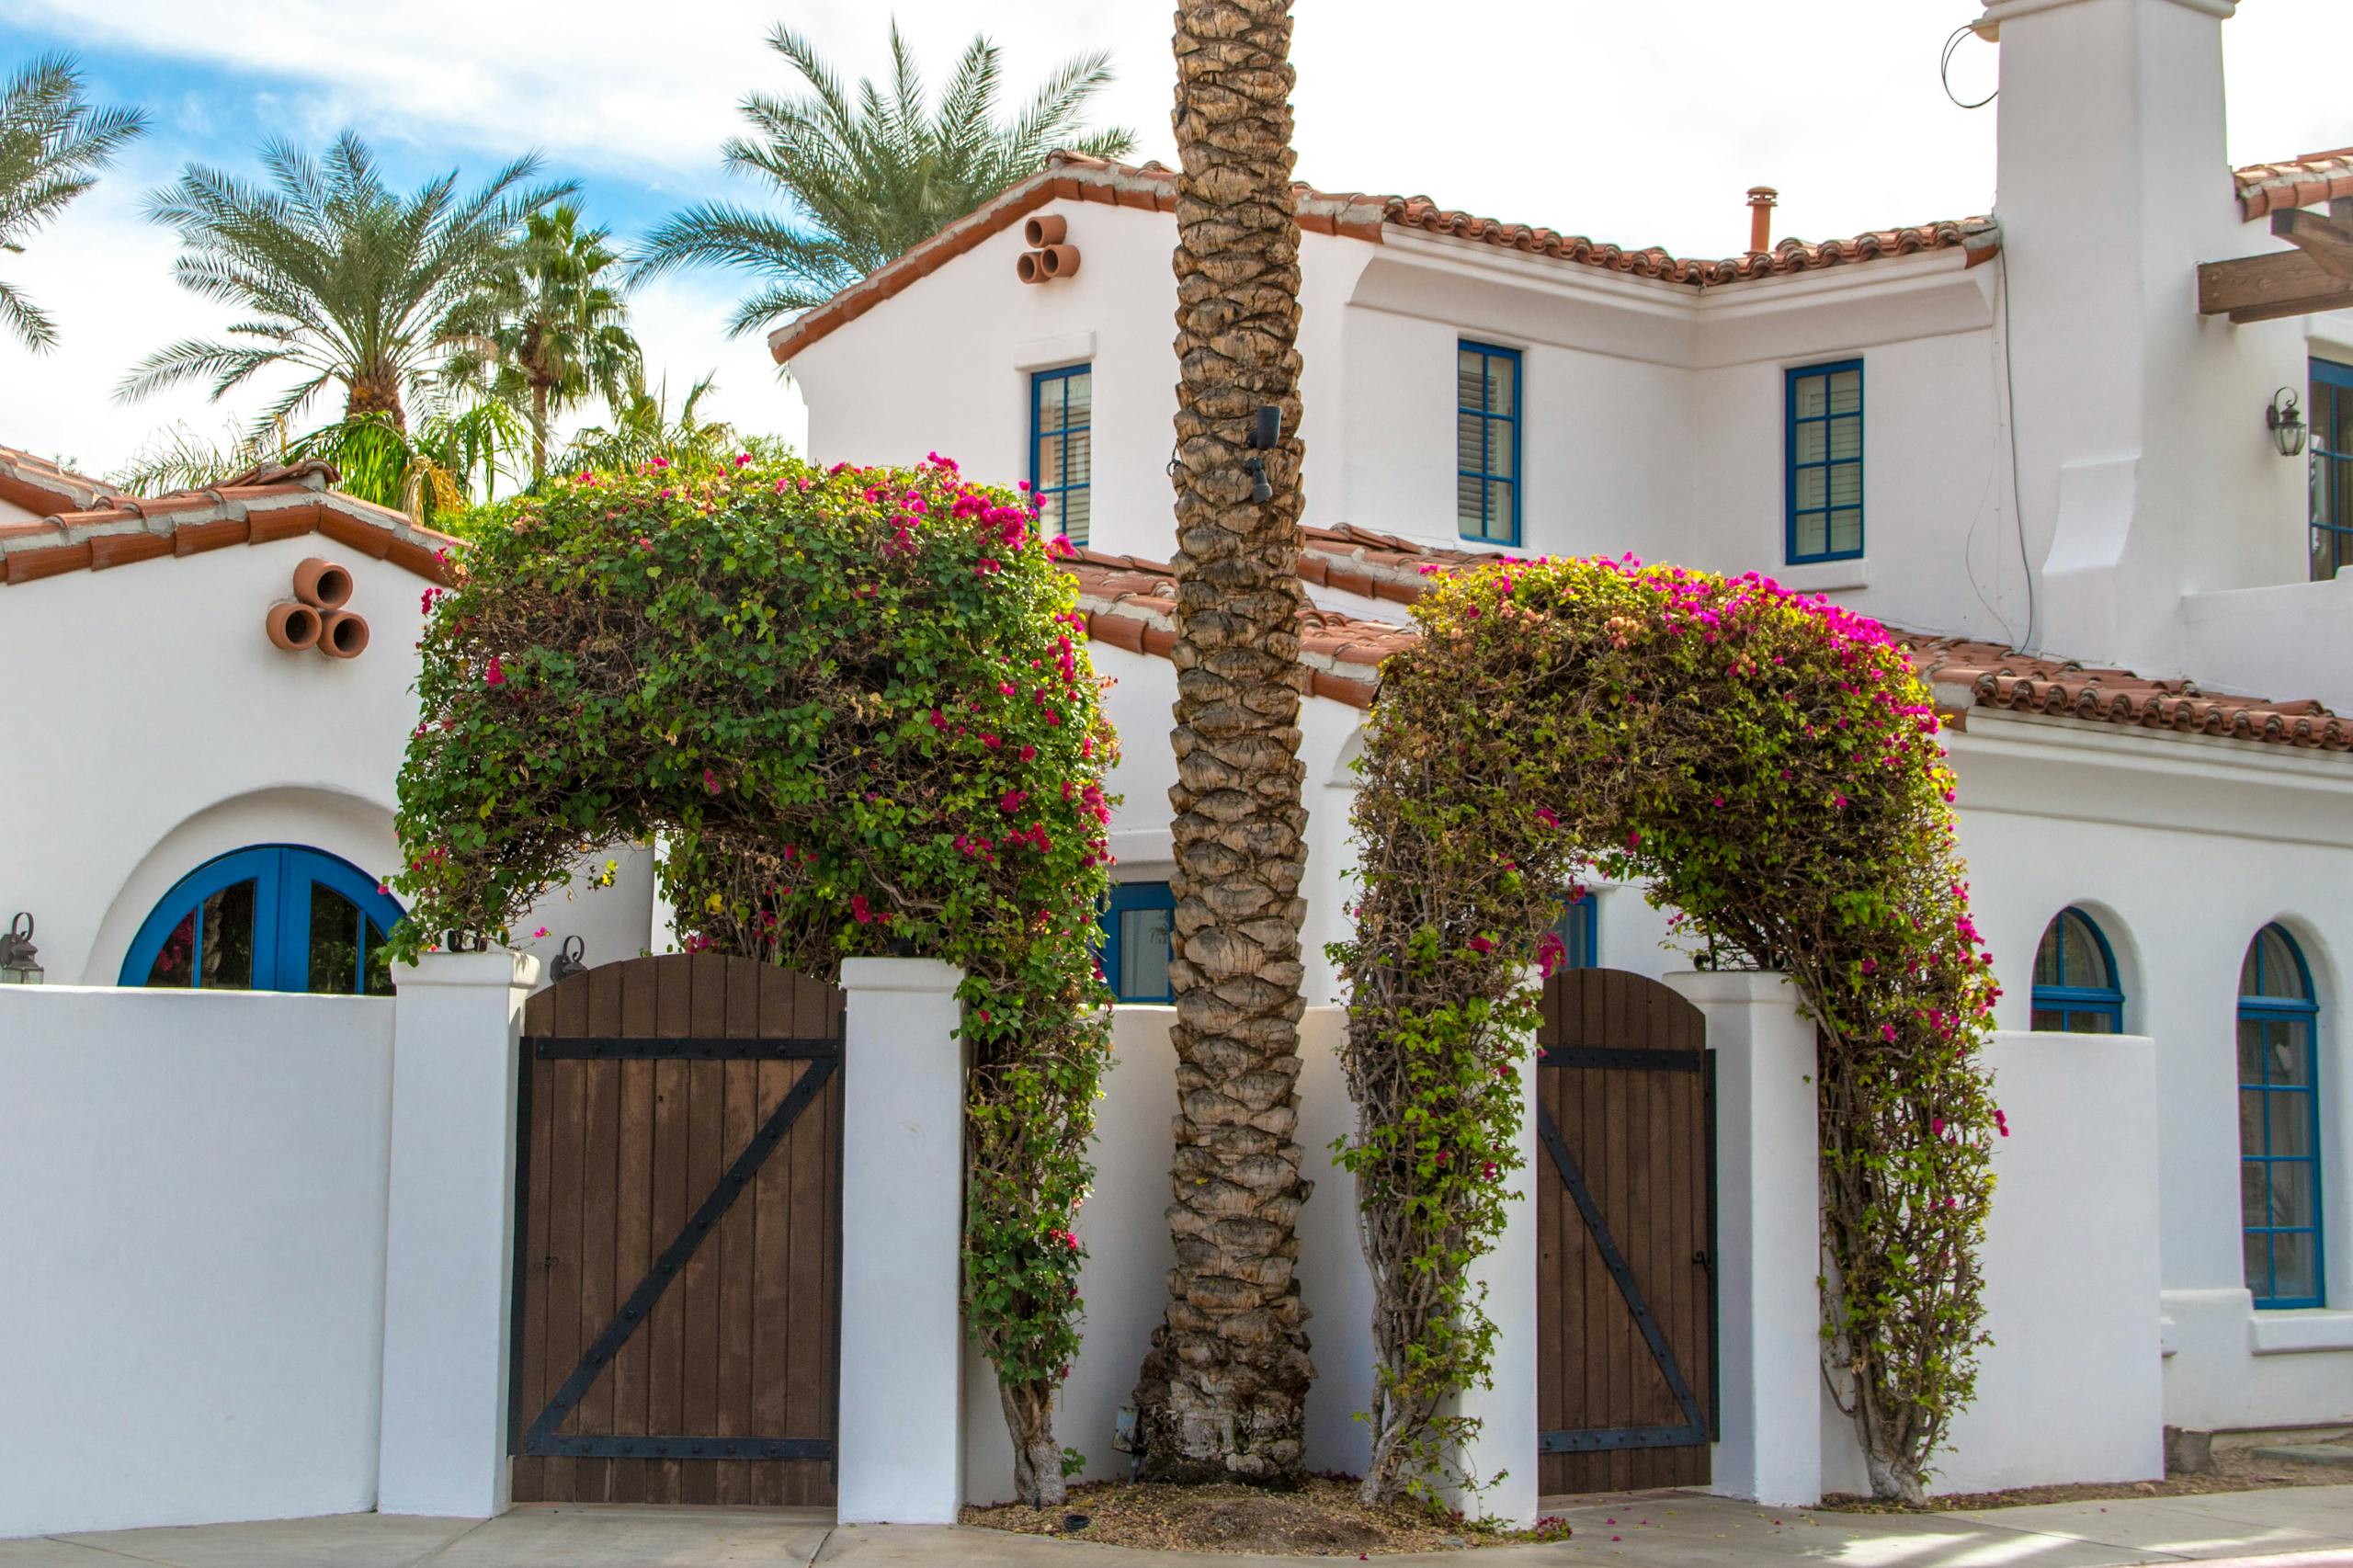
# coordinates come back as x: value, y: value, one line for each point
x: 1625, y: 1208
x: 677, y: 1257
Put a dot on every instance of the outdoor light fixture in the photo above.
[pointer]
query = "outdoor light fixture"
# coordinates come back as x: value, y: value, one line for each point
x: 17, y: 965
x: 2287, y: 422
x: 568, y: 959
x: 1265, y: 433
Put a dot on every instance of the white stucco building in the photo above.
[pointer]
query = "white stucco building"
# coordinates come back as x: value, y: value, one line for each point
x: 2041, y: 430
x: 2035, y: 440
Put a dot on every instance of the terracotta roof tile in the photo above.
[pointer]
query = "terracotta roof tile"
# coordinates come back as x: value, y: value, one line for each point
x: 1344, y: 653
x: 1072, y: 176
x: 84, y: 525
x: 2297, y: 182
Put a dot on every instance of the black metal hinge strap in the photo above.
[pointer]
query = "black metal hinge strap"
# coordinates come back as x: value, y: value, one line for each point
x: 672, y: 1261
x: 640, y: 1047
x: 1694, y: 1430
x: 1602, y: 1056
x: 1602, y: 1439
x: 605, y: 1448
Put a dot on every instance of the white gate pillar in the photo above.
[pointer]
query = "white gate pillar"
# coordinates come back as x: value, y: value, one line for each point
x: 450, y: 1241
x: 900, y: 1442
x: 1768, y: 1236
x: 1505, y: 1408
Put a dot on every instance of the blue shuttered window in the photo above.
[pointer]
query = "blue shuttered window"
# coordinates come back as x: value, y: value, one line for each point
x: 1486, y: 443
x: 1061, y: 466
x: 2279, y: 1168
x: 2075, y: 987
x: 1824, y: 487
x: 273, y: 917
x: 1579, y: 929
x: 2331, y: 468
x: 1135, y: 941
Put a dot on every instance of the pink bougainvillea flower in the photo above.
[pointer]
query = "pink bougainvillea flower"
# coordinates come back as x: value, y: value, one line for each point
x: 864, y: 914
x: 541, y: 932
x: 496, y: 673
x: 1481, y: 945
x: 742, y: 459
x: 1545, y: 815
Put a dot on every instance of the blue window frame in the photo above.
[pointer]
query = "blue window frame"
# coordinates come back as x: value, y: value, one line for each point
x: 1061, y: 466
x: 2075, y: 987
x: 1825, y: 485
x: 2279, y: 1168
x: 273, y: 917
x: 1136, y: 923
x: 1579, y: 929
x: 2331, y: 468
x: 1486, y: 442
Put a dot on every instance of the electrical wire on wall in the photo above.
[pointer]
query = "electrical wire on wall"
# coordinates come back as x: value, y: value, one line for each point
x: 1944, y: 67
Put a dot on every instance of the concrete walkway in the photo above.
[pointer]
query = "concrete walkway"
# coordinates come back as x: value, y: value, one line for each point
x: 2305, y: 1526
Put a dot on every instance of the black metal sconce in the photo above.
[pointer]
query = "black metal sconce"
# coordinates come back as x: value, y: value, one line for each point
x: 1266, y: 434
x: 569, y: 959
x: 2287, y: 423
x: 17, y: 964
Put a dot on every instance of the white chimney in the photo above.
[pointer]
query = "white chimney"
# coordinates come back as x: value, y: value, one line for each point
x: 2113, y: 183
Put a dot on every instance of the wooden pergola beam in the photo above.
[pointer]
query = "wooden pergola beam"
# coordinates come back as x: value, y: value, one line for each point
x: 2326, y: 238
x: 2266, y: 288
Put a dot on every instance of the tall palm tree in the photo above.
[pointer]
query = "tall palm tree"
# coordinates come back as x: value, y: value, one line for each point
x: 342, y: 279
x: 53, y: 144
x: 549, y: 326
x: 865, y: 179
x: 1223, y: 1394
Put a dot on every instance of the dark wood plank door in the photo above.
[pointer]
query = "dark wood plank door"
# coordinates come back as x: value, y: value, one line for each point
x: 1625, y: 1183
x: 678, y: 1246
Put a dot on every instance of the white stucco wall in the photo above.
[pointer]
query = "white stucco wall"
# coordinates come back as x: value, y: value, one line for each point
x: 1124, y: 1282
x: 2070, y: 1390
x: 194, y: 1229
x: 2183, y: 848
x: 157, y: 728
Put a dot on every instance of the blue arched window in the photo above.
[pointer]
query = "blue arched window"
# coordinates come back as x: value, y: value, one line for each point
x: 273, y: 917
x: 2279, y: 1193
x: 2075, y: 987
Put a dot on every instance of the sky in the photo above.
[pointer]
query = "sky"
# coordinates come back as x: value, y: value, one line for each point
x: 1596, y: 116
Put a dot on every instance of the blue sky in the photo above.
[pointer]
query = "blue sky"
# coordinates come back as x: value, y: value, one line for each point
x: 1588, y: 115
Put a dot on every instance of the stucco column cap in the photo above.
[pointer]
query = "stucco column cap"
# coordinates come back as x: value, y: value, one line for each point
x: 498, y: 968
x: 1998, y: 11
x: 931, y: 977
x: 1751, y: 987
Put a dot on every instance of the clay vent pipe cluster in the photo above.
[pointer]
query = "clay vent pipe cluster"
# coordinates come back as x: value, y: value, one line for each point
x: 315, y: 617
x: 1050, y: 254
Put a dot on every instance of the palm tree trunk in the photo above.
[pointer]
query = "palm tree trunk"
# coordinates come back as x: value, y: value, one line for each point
x: 377, y: 391
x: 1224, y: 1390
x: 538, y: 430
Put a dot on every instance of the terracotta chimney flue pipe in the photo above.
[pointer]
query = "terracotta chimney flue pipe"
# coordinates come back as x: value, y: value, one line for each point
x: 1761, y: 200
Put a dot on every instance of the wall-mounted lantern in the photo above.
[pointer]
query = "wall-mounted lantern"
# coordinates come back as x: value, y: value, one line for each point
x: 569, y: 959
x: 2287, y: 423
x: 17, y: 964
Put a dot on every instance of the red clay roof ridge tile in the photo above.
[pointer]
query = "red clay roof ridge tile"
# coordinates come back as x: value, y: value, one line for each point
x: 2300, y: 181
x: 1075, y: 176
x: 80, y: 524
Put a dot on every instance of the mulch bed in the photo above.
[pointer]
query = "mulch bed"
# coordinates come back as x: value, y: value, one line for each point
x: 1321, y: 1519
x: 2236, y: 1469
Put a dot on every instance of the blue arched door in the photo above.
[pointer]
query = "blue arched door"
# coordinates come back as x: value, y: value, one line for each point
x: 273, y: 917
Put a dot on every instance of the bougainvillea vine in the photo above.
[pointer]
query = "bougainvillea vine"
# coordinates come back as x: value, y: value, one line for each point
x: 1769, y: 765
x: 857, y: 705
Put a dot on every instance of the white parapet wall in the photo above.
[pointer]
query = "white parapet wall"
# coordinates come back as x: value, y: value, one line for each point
x: 2071, y: 1389
x: 192, y: 1189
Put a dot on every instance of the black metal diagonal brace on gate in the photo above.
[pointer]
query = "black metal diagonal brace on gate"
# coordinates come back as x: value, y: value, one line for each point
x: 540, y: 1438
x: 1694, y: 1427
